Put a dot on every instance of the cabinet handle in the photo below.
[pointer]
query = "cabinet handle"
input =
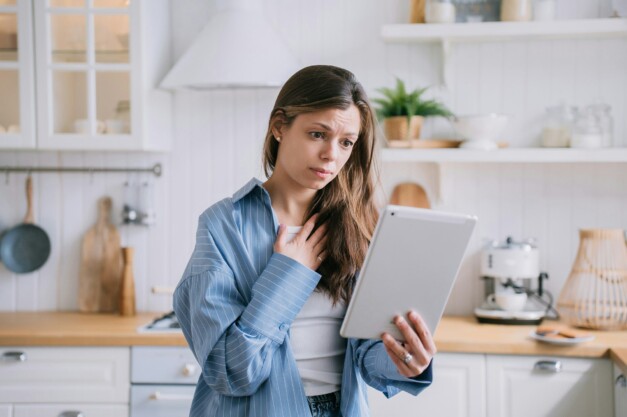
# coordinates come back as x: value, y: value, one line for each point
x: 188, y: 369
x: 14, y: 356
x: 548, y: 366
x: 71, y: 414
x: 158, y: 396
x: 621, y: 381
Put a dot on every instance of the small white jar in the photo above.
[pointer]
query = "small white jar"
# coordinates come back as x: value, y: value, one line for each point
x: 439, y: 11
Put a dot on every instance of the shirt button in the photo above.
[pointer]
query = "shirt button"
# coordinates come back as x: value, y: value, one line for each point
x: 283, y: 327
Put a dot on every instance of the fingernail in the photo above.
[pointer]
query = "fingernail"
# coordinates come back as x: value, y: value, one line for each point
x: 413, y: 315
x: 399, y: 319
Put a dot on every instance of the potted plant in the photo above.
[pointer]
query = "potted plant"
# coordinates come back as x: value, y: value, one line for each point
x: 403, y: 112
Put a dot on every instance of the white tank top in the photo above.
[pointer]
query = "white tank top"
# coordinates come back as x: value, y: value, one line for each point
x: 316, y: 342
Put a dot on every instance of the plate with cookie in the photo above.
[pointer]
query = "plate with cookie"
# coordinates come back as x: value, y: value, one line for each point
x: 560, y: 335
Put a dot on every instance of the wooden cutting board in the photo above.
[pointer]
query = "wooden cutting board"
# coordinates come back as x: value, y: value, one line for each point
x: 410, y: 194
x: 101, y: 264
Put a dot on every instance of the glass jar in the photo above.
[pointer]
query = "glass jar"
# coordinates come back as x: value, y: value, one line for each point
x: 515, y: 10
x: 440, y: 11
x: 544, y: 10
x: 603, y: 113
x: 558, y: 123
x: 587, y: 131
x: 123, y: 113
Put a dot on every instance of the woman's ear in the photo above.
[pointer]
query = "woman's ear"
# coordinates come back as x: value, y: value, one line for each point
x: 278, y: 124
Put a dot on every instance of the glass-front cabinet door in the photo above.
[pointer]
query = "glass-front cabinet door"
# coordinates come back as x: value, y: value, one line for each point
x: 17, y: 112
x: 85, y: 67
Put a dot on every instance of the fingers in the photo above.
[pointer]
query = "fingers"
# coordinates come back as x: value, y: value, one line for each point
x: 396, y: 352
x: 307, y: 228
x: 413, y: 342
x: 400, y: 365
x: 422, y: 331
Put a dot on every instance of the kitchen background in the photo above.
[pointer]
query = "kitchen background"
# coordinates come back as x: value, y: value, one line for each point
x: 218, y: 135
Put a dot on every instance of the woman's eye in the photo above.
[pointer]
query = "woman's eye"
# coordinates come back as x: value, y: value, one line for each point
x: 347, y: 143
x: 317, y: 135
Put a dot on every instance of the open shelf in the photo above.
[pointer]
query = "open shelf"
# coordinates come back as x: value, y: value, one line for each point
x: 498, y: 31
x: 510, y: 155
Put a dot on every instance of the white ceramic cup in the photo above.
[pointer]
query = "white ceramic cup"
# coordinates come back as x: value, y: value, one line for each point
x: 114, y: 126
x: 508, y: 301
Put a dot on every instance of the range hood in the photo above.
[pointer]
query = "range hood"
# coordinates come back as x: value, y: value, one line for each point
x: 237, y: 48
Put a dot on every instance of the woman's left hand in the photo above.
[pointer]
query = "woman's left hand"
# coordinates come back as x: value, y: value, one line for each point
x: 413, y: 356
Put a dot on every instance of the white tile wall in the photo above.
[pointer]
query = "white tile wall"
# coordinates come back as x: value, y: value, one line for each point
x: 218, y: 138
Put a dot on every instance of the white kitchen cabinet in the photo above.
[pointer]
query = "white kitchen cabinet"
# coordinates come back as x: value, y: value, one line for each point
x: 98, y: 65
x: 5, y: 410
x: 64, y: 375
x: 71, y: 410
x: 458, y: 389
x: 522, y: 386
x: 17, y: 107
x: 620, y: 393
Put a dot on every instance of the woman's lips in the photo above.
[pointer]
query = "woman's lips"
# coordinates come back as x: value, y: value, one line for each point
x: 321, y: 173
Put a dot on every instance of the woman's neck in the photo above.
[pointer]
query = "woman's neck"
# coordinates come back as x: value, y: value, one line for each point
x: 289, y: 201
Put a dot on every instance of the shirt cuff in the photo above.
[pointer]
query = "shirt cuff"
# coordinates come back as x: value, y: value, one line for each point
x: 278, y: 295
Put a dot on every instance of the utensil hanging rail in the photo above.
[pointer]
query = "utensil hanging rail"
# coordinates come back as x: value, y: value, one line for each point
x: 156, y: 169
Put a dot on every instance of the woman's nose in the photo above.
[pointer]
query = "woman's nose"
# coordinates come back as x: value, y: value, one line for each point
x: 330, y: 150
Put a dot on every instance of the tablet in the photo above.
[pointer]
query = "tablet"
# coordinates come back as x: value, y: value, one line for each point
x: 411, y: 264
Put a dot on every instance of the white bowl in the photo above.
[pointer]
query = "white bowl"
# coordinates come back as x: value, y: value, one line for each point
x: 480, y: 130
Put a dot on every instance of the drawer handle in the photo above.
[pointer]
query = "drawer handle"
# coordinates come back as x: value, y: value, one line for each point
x: 71, y: 414
x: 188, y: 369
x: 621, y: 381
x: 14, y: 356
x: 548, y: 366
x: 158, y: 396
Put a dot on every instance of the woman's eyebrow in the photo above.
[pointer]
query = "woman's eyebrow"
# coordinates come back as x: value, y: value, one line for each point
x: 327, y: 127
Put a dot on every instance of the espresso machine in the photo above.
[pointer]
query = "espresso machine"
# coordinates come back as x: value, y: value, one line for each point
x: 513, y: 284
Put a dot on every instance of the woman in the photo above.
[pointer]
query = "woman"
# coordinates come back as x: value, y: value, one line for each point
x: 262, y: 298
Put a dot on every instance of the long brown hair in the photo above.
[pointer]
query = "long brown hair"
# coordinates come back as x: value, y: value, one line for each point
x: 347, y: 203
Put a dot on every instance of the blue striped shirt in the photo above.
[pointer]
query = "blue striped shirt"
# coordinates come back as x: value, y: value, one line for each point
x: 236, y: 301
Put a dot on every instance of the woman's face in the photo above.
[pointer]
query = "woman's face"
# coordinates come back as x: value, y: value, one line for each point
x: 315, y: 147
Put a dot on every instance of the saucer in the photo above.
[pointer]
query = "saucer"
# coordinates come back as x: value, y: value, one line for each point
x: 560, y: 340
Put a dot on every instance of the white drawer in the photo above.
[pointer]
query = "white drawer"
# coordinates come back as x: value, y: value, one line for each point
x: 5, y: 410
x: 161, y: 400
x: 65, y: 375
x: 71, y: 410
x: 163, y: 365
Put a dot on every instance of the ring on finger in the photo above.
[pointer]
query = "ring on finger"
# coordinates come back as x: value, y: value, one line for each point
x: 320, y: 258
x: 407, y: 358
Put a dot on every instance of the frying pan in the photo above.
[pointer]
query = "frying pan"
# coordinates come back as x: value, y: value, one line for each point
x: 26, y: 247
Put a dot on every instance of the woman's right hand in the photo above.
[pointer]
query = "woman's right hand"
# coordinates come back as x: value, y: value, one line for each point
x: 309, y: 252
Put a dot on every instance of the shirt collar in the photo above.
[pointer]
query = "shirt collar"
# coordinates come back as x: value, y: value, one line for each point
x: 247, y: 189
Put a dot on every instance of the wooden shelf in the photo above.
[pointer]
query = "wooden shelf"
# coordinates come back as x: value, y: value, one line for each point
x: 510, y: 155
x: 499, y: 31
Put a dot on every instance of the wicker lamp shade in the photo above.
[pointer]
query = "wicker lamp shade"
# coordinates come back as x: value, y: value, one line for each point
x: 595, y: 294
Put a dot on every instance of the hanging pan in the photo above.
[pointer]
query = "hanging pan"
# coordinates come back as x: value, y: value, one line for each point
x: 26, y: 247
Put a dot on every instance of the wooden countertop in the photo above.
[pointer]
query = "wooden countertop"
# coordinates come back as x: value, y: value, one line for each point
x: 81, y: 329
x: 455, y: 334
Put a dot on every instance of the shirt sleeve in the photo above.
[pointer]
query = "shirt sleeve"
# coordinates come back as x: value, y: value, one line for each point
x: 381, y: 373
x: 234, y: 340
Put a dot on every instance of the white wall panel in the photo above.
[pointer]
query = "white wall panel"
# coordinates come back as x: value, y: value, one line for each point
x: 219, y: 136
